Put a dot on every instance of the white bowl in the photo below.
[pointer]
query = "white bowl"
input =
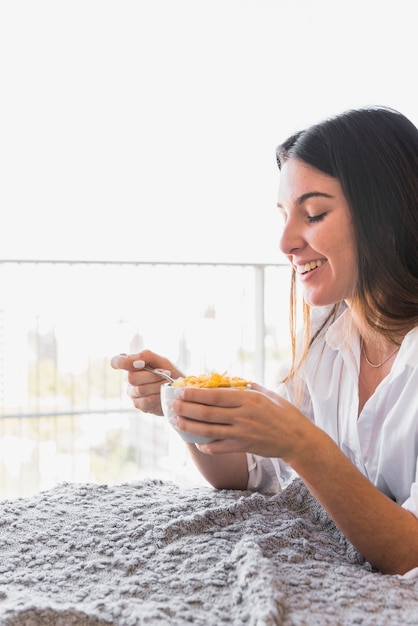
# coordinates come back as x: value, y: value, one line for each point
x: 167, y: 399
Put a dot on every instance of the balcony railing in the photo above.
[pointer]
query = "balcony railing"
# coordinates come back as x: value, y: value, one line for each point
x: 64, y: 412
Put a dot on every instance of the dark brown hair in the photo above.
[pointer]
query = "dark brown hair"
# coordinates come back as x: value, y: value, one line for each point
x: 373, y: 153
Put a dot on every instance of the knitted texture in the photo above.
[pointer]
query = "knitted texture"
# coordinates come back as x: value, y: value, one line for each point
x: 155, y: 553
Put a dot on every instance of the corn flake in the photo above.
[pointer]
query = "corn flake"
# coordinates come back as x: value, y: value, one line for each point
x: 211, y: 381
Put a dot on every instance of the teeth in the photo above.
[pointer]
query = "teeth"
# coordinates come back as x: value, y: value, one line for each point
x: 302, y: 269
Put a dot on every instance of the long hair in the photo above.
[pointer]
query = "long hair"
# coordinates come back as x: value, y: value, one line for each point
x: 373, y: 153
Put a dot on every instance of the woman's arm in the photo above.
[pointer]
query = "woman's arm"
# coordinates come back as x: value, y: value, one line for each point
x: 384, y: 532
x: 267, y: 425
x: 223, y: 471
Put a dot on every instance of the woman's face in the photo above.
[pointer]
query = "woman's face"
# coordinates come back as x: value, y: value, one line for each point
x: 318, y: 235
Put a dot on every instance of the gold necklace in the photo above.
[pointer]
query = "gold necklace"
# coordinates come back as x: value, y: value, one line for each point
x: 377, y: 365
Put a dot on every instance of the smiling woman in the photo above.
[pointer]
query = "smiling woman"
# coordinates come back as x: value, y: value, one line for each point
x: 335, y: 422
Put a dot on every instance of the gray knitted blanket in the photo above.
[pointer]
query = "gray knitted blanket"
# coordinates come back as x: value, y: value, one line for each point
x: 154, y: 553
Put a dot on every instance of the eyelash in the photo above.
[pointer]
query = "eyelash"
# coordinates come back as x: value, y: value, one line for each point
x: 316, y: 218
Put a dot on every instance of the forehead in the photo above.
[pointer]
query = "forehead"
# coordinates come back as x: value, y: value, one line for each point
x: 299, y: 180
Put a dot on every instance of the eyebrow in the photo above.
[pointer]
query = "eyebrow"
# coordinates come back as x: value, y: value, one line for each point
x: 306, y: 196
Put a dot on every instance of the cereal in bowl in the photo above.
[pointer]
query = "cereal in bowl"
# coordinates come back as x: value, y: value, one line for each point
x: 211, y: 381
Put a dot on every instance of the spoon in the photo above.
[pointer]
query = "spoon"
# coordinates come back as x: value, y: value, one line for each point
x: 162, y: 374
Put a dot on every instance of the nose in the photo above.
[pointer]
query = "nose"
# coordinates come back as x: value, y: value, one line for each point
x: 291, y: 239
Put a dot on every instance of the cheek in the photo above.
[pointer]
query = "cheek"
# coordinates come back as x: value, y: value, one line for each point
x: 345, y: 264
x: 349, y: 252
x: 343, y: 244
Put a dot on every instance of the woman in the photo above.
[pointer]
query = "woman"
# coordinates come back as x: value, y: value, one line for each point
x: 346, y: 420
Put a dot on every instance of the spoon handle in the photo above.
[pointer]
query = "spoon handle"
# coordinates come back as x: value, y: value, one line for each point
x: 159, y: 373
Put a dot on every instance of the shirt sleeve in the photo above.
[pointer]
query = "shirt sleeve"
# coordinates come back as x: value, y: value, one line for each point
x: 268, y: 475
x: 411, y: 504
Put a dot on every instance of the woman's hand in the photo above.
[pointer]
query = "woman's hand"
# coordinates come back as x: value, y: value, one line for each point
x: 263, y: 423
x: 227, y: 472
x: 143, y: 386
x: 253, y: 420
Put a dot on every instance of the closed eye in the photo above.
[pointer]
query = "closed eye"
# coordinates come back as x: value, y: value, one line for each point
x: 316, y: 218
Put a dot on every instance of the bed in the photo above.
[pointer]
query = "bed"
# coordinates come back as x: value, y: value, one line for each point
x: 152, y: 552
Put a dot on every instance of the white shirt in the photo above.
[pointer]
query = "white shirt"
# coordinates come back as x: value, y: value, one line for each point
x: 382, y: 441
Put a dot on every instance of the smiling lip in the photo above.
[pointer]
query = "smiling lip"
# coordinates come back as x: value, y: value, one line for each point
x: 306, y: 268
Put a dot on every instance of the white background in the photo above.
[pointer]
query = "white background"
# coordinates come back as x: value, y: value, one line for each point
x: 146, y: 130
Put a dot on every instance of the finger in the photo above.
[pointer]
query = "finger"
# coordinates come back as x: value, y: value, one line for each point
x: 150, y: 404
x: 212, y: 431
x: 122, y: 362
x: 142, y: 389
x: 133, y: 392
x: 216, y: 397
x: 204, y: 413
x: 129, y: 362
x: 147, y: 381
x: 143, y: 397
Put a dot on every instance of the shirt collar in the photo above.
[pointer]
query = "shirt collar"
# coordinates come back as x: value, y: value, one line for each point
x: 342, y: 335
